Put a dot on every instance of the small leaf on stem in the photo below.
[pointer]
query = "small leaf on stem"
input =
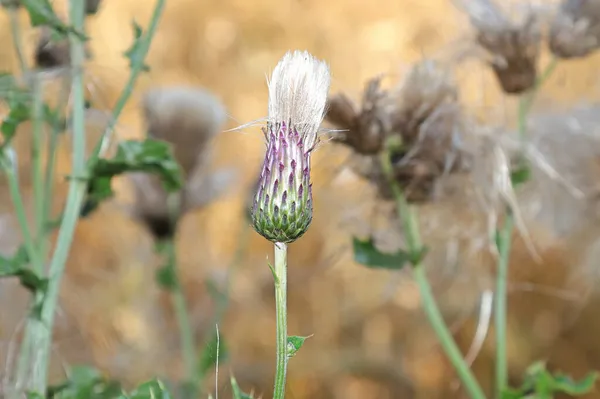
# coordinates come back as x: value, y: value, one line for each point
x: 151, y: 156
x: 539, y: 382
x: 29, y: 279
x: 85, y: 382
x: 41, y: 13
x: 237, y: 392
x: 366, y: 254
x: 166, y: 278
x: 294, y: 343
x: 208, y: 358
x: 154, y: 389
x: 136, y: 52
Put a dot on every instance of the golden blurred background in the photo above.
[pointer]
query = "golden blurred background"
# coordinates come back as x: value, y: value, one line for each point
x: 371, y: 340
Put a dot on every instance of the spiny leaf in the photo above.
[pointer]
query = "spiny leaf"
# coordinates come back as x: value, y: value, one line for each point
x: 166, y: 278
x: 19, y: 112
x: 41, y: 13
x: 136, y: 52
x: 151, y: 156
x: 275, y: 278
x: 16, y: 266
x: 154, y: 389
x: 208, y: 357
x: 294, y: 343
x: 237, y: 392
x: 85, y: 382
x: 540, y: 383
x: 521, y: 174
x: 366, y: 254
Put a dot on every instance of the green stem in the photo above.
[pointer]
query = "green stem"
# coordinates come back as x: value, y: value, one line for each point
x: 444, y: 336
x: 15, y: 193
x: 222, y: 299
x: 136, y: 69
x: 75, y: 198
x: 280, y: 276
x: 49, y: 178
x: 15, y: 28
x: 186, y: 332
x: 25, y: 351
x: 39, y: 258
x: 415, y: 248
x: 504, y: 241
x: 78, y: 184
x: 38, y: 173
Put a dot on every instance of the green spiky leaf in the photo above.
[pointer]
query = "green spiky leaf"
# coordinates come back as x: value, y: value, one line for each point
x: 137, y: 52
x: 540, y: 383
x: 85, y: 382
x: 521, y: 174
x: 213, y: 349
x: 19, y: 112
x: 166, y: 278
x: 294, y: 343
x: 366, y: 254
x: 150, y: 156
x: 17, y: 267
x: 154, y: 389
x: 237, y: 392
x: 41, y: 13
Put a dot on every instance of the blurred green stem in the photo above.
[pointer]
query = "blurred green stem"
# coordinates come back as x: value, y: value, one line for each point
x: 280, y: 277
x: 503, y: 243
x: 136, y: 68
x: 77, y: 188
x: 15, y: 29
x: 39, y: 240
x: 78, y: 185
x: 416, y: 250
x: 38, y: 170
x: 504, y: 240
x: 186, y: 332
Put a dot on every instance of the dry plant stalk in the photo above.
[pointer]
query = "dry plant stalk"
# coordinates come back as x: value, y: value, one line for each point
x: 422, y: 116
x: 575, y: 29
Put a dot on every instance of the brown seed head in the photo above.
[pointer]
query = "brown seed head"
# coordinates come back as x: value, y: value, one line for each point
x: 365, y: 129
x: 188, y: 118
x: 51, y: 54
x: 422, y: 115
x: 514, y: 47
x: 575, y: 30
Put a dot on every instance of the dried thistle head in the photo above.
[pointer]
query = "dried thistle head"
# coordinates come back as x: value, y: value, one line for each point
x: 50, y: 53
x: 421, y: 117
x: 575, y: 29
x: 186, y: 117
x: 91, y: 6
x: 10, y: 3
x: 514, y: 47
x: 365, y: 129
x: 189, y: 119
x: 282, y: 210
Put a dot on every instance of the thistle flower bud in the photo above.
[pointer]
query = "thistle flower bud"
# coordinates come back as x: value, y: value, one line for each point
x: 282, y: 210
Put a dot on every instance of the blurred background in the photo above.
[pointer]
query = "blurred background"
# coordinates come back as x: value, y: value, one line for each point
x: 370, y: 338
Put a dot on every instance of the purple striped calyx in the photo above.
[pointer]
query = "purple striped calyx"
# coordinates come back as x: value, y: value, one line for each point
x: 282, y: 210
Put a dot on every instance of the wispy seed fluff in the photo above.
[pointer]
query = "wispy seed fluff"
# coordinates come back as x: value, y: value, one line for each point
x: 298, y: 88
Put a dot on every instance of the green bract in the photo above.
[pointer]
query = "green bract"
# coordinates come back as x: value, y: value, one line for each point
x: 282, y: 208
